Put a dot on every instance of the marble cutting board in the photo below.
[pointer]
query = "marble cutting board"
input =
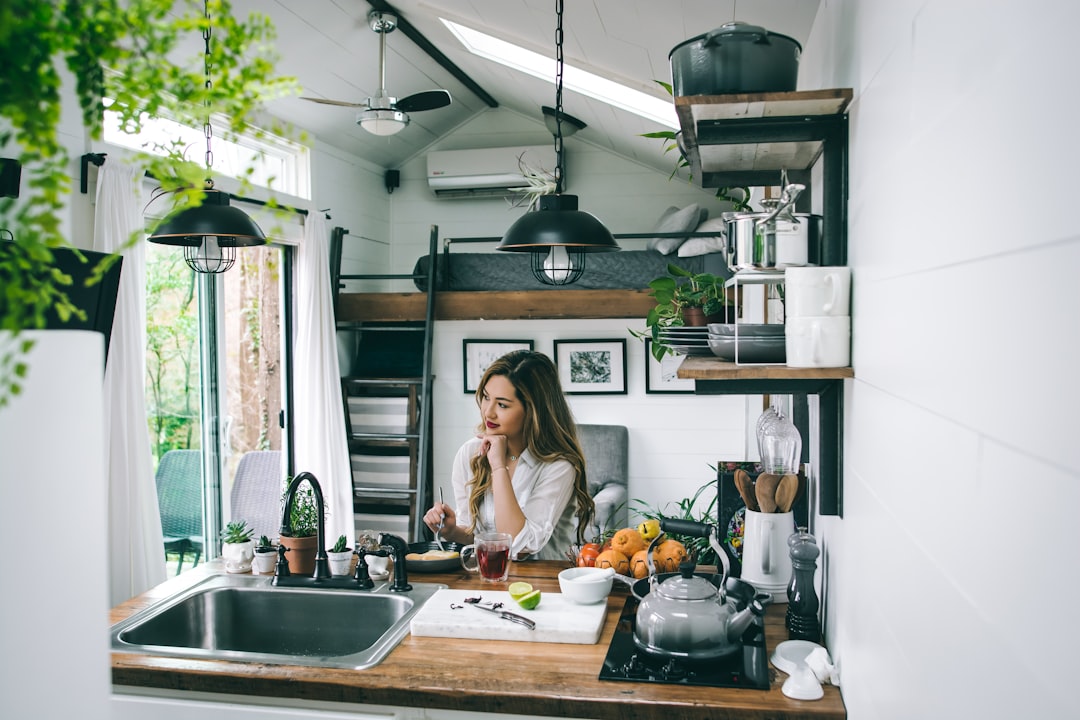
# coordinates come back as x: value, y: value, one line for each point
x: 558, y: 620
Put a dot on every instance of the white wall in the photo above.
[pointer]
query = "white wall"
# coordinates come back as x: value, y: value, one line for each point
x: 951, y: 573
x: 673, y: 438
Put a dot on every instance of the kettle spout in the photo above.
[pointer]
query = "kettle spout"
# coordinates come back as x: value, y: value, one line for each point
x: 740, y: 621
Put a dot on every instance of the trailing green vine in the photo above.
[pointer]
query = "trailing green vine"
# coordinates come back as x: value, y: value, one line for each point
x: 130, y: 52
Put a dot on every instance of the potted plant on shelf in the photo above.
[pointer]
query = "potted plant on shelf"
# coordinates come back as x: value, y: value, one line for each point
x: 684, y: 299
x: 340, y: 556
x: 237, y: 548
x: 302, y: 544
x: 265, y: 556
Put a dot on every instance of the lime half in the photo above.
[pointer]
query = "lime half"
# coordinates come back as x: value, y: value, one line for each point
x: 530, y: 601
x: 519, y: 590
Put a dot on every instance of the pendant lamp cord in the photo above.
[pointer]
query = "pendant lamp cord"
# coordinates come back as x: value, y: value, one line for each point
x: 208, y: 130
x: 558, y: 97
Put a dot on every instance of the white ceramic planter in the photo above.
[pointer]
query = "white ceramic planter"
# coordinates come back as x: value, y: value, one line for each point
x: 263, y: 563
x: 340, y: 562
x: 238, y: 556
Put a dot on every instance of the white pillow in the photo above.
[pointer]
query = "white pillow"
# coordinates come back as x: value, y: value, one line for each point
x: 704, y: 245
x: 674, y: 220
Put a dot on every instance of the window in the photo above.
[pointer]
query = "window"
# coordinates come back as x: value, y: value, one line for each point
x: 278, y: 163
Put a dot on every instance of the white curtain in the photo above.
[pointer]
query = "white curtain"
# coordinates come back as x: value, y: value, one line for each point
x: 321, y: 448
x: 136, y: 555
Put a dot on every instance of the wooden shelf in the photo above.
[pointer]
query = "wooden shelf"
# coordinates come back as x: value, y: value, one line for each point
x: 747, y: 139
x: 495, y: 305
x: 713, y: 368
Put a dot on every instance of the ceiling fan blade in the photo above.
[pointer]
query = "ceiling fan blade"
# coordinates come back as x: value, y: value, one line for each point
x: 427, y: 100
x: 339, y: 103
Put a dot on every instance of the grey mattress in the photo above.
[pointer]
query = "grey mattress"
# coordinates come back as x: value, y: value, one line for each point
x: 626, y: 269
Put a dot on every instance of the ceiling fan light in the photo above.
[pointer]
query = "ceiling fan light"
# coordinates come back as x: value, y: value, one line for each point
x: 378, y: 121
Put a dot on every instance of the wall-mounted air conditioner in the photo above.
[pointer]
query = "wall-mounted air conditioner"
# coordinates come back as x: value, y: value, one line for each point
x: 486, y: 172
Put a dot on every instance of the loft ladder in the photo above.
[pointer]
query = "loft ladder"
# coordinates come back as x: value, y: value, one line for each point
x: 387, y: 400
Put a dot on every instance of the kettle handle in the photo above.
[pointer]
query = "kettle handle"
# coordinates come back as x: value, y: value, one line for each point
x: 697, y: 529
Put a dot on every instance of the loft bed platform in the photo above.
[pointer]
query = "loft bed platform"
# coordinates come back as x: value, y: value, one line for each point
x: 500, y: 286
x: 560, y: 303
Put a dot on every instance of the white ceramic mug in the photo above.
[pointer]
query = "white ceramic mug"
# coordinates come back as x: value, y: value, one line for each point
x: 766, y: 562
x: 818, y: 341
x: 817, y: 291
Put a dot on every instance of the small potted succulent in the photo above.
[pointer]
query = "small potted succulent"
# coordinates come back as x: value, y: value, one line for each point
x: 340, y: 557
x: 237, y: 548
x: 265, y: 556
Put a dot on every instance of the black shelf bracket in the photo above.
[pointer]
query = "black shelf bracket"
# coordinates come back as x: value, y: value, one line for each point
x: 830, y: 438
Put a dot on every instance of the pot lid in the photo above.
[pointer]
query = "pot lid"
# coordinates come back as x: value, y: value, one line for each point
x: 687, y: 586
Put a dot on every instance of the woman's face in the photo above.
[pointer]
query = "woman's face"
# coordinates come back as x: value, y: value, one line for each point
x: 500, y: 409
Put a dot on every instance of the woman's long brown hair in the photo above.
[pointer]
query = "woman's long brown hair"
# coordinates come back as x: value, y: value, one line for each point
x: 549, y: 429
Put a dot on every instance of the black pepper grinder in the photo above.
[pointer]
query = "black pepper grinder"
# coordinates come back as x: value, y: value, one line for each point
x: 802, y: 610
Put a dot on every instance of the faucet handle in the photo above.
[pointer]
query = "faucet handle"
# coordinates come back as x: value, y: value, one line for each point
x: 281, y: 568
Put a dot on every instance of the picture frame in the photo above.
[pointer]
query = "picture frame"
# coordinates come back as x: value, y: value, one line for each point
x: 591, y: 367
x: 660, y: 374
x: 477, y: 355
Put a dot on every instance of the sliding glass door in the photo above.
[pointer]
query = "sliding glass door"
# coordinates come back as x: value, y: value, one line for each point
x: 216, y: 369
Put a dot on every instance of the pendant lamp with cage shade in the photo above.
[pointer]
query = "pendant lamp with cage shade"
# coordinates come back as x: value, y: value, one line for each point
x: 557, y: 234
x: 211, y: 232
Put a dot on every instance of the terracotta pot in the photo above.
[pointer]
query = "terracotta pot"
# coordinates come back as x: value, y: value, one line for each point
x: 300, y: 552
x: 696, y: 317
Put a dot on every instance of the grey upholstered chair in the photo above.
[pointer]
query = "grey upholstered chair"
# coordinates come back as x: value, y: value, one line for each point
x: 607, y: 465
x: 256, y: 492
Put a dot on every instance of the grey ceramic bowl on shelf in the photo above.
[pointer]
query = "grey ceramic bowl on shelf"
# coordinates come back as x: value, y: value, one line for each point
x: 766, y: 330
x: 751, y: 349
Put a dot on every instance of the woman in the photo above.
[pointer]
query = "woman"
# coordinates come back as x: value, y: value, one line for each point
x: 520, y: 472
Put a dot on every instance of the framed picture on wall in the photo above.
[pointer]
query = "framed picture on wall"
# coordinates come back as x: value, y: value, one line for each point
x: 591, y: 367
x: 660, y: 375
x: 478, y: 354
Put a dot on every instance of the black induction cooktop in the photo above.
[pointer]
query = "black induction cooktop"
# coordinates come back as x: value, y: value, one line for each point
x: 746, y: 668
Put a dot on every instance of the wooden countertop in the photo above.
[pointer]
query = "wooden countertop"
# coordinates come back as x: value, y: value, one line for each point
x: 527, y: 678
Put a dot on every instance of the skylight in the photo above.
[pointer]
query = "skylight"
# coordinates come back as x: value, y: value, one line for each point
x: 576, y: 79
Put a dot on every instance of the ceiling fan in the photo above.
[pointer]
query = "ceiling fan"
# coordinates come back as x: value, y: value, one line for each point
x: 383, y: 114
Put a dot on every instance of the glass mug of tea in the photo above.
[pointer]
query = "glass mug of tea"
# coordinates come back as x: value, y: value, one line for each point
x: 490, y: 554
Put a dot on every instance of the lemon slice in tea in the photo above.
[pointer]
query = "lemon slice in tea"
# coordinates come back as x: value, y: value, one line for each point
x: 530, y: 601
x: 519, y: 590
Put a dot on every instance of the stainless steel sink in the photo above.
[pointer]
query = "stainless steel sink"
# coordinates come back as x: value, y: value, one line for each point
x: 244, y: 618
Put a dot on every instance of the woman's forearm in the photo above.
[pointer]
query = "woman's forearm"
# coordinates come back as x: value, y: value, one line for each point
x: 509, y: 517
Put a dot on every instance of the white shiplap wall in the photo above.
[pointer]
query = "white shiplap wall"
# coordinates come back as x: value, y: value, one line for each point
x: 962, y: 474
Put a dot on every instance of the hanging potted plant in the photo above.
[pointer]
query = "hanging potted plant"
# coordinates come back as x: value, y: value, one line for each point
x: 301, y: 543
x: 265, y: 556
x: 684, y: 299
x: 237, y: 547
x: 340, y: 556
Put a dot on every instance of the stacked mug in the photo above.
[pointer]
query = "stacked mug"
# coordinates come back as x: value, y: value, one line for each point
x: 817, y: 320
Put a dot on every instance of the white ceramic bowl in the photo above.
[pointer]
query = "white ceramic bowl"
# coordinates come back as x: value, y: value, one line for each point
x: 586, y: 585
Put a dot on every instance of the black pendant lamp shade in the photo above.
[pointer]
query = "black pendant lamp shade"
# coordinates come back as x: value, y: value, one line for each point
x: 558, y: 236
x: 556, y: 233
x: 209, y: 233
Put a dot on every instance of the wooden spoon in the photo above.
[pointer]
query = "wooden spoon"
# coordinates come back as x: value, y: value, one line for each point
x: 765, y: 490
x: 745, y: 486
x: 786, y: 492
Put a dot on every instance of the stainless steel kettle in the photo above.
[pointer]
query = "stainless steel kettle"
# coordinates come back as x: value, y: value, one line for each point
x: 688, y: 617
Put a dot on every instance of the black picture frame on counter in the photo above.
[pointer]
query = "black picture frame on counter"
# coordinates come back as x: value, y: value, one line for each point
x: 477, y: 355
x: 660, y: 376
x: 591, y: 367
